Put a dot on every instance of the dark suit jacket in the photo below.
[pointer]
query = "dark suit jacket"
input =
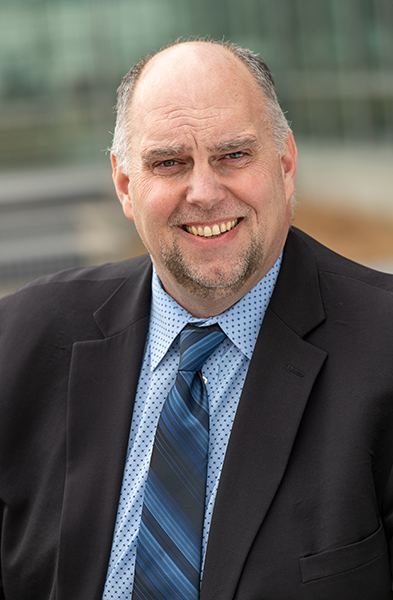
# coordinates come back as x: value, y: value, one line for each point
x: 305, y: 503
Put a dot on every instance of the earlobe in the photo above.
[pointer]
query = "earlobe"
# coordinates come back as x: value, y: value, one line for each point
x: 121, y: 182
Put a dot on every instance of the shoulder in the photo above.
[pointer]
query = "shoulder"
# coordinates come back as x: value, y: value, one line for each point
x: 352, y: 305
x: 333, y: 266
x: 318, y: 286
x: 67, y: 300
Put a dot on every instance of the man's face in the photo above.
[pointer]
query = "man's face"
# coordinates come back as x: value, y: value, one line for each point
x: 207, y: 191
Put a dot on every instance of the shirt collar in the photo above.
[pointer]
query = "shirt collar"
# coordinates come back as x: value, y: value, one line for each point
x: 241, y: 322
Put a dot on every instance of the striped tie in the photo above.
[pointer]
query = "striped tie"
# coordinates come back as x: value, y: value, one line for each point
x: 168, y: 559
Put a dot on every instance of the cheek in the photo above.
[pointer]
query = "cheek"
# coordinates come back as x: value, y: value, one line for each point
x: 255, y: 189
x: 265, y: 193
x: 152, y: 201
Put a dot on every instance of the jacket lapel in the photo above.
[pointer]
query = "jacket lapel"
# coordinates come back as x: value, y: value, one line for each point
x: 103, y: 381
x: 279, y: 380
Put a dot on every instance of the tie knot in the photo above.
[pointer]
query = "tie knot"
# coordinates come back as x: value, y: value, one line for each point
x: 197, y: 344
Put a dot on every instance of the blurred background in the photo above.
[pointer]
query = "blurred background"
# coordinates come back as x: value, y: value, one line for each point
x: 62, y: 60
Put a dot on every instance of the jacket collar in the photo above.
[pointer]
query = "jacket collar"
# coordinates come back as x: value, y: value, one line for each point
x: 129, y: 303
x: 297, y: 297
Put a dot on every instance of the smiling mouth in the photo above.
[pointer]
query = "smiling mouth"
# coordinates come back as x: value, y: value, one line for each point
x: 214, y: 231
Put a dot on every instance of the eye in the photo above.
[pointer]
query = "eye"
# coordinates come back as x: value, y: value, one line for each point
x: 167, y: 167
x: 168, y: 163
x: 237, y: 154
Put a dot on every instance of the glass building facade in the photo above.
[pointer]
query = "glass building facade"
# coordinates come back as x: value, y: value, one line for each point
x: 61, y: 61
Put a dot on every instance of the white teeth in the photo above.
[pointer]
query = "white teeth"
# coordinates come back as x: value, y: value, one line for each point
x: 207, y: 231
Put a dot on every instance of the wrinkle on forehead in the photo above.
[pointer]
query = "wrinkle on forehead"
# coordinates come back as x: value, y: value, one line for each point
x: 197, y: 113
x: 178, y: 129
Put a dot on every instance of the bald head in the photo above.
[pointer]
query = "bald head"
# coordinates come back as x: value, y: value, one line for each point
x: 185, y: 68
x: 195, y: 59
x: 190, y: 67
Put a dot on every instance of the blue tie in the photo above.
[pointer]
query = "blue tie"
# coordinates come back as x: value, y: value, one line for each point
x: 168, y: 558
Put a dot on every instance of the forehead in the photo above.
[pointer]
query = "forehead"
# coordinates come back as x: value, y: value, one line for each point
x: 199, y: 91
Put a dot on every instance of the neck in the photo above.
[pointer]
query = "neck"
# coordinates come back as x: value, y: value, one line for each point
x: 211, y: 303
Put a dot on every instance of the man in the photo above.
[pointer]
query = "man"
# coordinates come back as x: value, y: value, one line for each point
x: 299, y: 491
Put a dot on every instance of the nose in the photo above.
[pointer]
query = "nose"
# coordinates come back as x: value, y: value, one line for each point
x: 204, y: 188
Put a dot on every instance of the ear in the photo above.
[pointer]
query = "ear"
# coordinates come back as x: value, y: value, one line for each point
x: 122, y: 182
x: 289, y: 166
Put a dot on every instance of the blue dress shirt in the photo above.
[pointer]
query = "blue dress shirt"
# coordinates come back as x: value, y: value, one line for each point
x: 224, y: 373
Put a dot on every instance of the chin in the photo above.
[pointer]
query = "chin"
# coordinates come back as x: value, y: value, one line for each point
x: 215, y: 281
x: 215, y: 285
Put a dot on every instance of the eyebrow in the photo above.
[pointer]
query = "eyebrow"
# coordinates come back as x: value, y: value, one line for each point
x: 231, y: 145
x: 178, y: 149
x: 163, y: 153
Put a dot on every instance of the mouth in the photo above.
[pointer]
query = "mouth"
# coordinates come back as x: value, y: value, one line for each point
x: 213, y: 231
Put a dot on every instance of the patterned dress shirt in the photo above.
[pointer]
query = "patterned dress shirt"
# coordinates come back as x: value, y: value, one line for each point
x: 224, y: 373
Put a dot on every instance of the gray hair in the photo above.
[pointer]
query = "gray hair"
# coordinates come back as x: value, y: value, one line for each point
x: 256, y: 66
